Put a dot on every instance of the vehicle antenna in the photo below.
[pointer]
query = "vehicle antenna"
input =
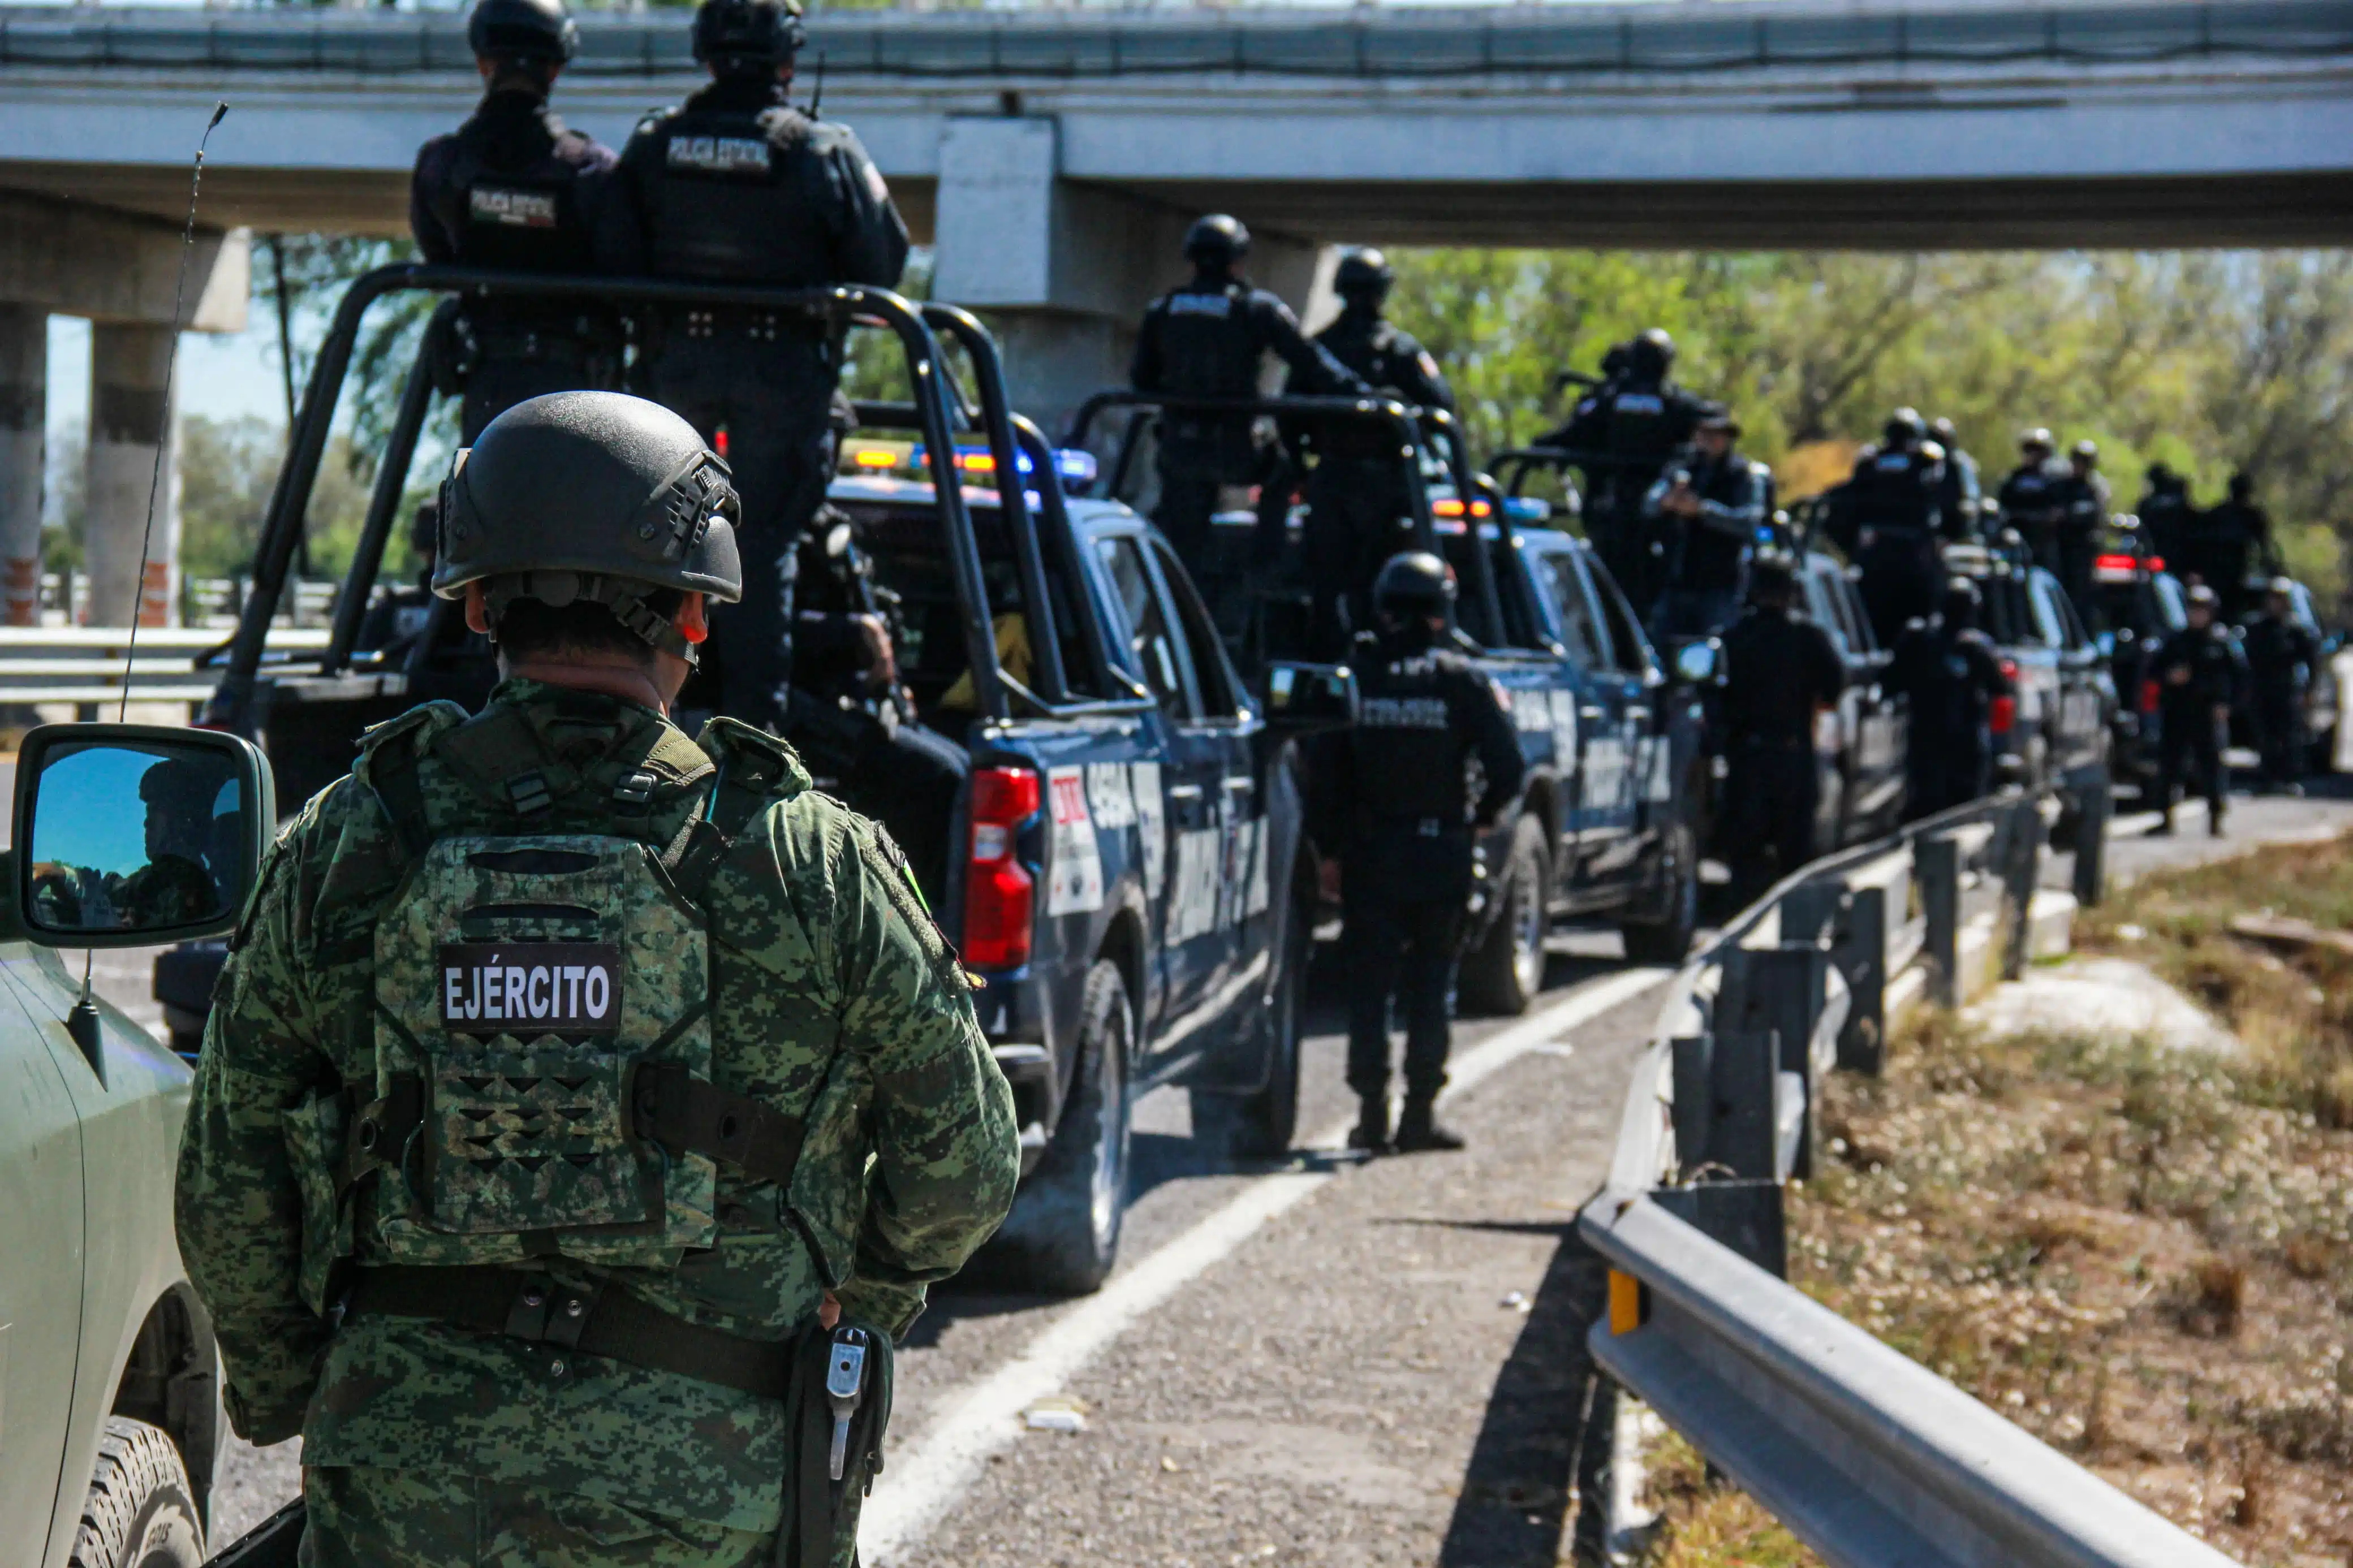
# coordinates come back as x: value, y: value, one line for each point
x: 817, y: 98
x: 81, y: 1020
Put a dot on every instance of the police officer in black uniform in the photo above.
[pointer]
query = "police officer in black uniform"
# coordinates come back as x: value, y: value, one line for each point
x: 1779, y: 672
x: 736, y: 185
x: 512, y: 189
x: 2199, y: 672
x: 2235, y: 544
x: 1960, y: 500
x: 2166, y: 517
x: 1627, y: 433
x: 2281, y: 655
x: 1709, y: 508
x: 1892, y: 518
x: 1951, y: 673
x: 2028, y: 505
x: 1206, y: 337
x: 2081, y: 495
x: 1356, y: 495
x: 1406, y: 847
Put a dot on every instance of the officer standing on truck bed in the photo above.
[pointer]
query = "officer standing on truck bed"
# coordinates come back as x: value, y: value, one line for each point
x: 1709, y: 509
x: 736, y: 185
x: 1356, y: 489
x: 2281, y: 656
x: 1949, y: 670
x: 2029, y: 506
x: 1960, y: 502
x: 2234, y: 541
x: 511, y: 189
x: 531, y: 1293
x: 1890, y: 514
x: 2201, y: 673
x: 1206, y: 337
x: 2166, y: 517
x: 1779, y: 672
x: 2081, y: 495
x: 1405, y: 849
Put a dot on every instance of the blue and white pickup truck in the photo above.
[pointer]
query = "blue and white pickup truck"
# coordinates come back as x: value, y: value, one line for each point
x: 1125, y: 874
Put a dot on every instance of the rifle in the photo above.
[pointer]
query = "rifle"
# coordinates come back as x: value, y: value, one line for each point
x: 275, y: 1543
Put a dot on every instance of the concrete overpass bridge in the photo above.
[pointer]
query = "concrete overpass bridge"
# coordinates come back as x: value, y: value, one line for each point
x: 1053, y: 157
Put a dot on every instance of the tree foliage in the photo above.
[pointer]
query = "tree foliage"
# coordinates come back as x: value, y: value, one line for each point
x: 2209, y: 361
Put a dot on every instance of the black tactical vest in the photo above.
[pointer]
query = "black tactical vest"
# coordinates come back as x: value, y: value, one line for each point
x: 1408, y: 753
x: 730, y: 197
x: 1208, y: 342
x: 511, y: 194
x: 1897, y: 492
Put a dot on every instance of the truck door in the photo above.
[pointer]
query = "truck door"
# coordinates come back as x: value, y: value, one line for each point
x: 2081, y: 718
x: 1587, y: 656
x: 1616, y: 723
x: 41, y: 1239
x: 1882, y: 725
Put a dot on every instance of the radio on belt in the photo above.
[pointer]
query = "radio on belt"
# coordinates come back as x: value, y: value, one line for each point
x: 845, y: 1380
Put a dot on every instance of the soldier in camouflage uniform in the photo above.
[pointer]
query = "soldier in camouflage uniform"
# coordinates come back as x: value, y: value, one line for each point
x: 565, y: 1290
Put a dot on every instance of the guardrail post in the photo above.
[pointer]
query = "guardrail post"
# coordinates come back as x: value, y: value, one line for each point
x: 1936, y: 862
x: 2092, y: 811
x: 1855, y: 919
x: 1745, y: 1215
x: 1785, y: 990
x: 2022, y: 864
x: 1723, y: 1103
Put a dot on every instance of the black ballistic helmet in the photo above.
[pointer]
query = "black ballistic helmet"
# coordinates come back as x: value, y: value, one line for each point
x: 2242, y: 485
x: 1962, y: 602
x: 1216, y: 240
x: 747, y: 36
x: 2030, y: 439
x: 1947, y: 434
x: 1362, y: 272
x: 1906, y: 424
x: 528, y: 32
x: 1412, y: 584
x: 2201, y: 597
x: 1650, y: 355
x: 590, y: 497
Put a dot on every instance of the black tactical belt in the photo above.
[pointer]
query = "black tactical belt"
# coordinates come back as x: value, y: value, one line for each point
x: 600, y: 1319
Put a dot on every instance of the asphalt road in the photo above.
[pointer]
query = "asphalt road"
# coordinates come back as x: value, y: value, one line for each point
x: 1319, y: 1359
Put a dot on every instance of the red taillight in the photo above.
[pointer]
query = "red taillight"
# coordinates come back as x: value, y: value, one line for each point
x: 999, y: 895
x: 2148, y: 695
x: 2157, y: 562
x: 2116, y: 563
x: 2002, y: 714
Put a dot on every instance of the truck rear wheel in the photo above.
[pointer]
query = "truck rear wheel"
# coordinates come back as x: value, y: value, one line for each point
x: 1062, y: 1236
x: 1502, y: 974
x: 1261, y: 1125
x: 1668, y: 939
x: 140, y: 1511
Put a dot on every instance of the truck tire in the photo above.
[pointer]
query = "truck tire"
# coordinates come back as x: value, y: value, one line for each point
x: 1668, y: 939
x: 1261, y: 1125
x: 1062, y: 1236
x: 1502, y: 974
x: 140, y: 1511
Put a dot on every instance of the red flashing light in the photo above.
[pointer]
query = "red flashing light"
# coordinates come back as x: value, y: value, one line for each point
x: 2157, y: 562
x: 2115, y: 563
x: 999, y: 894
x: 719, y: 440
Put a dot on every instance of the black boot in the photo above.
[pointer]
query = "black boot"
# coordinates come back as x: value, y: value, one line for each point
x: 2164, y: 829
x: 1418, y: 1131
x: 1372, y: 1131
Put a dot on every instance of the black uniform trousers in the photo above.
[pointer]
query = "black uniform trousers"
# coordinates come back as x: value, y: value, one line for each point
x: 2279, y: 730
x: 1399, y: 934
x: 774, y: 399
x: 1188, y: 500
x: 1770, y: 790
x: 1353, y: 506
x: 1901, y: 577
x: 1945, y: 770
x: 2190, y: 737
x: 513, y: 367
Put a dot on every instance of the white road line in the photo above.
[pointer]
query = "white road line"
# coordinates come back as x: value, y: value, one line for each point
x: 925, y: 1480
x: 2134, y: 824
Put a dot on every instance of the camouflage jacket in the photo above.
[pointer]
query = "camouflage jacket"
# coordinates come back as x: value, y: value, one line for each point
x: 834, y: 1000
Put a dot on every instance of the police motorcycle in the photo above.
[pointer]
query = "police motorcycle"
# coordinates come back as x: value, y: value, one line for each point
x: 1124, y: 872
x: 1602, y: 831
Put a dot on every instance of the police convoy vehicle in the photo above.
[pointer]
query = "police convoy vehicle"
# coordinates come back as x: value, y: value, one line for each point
x: 1605, y: 830
x: 1126, y: 876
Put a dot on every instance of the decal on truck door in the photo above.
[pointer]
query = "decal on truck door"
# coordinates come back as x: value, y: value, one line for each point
x: 1151, y: 823
x: 1076, y: 882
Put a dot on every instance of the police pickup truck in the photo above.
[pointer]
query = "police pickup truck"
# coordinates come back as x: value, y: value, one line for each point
x: 1124, y: 877
x: 2055, y: 733
x: 1604, y: 830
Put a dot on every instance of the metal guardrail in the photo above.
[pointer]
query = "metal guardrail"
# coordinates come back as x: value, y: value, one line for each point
x: 1672, y: 40
x: 85, y: 664
x: 1869, y: 1457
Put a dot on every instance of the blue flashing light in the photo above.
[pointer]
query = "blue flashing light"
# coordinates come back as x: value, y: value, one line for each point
x: 1528, y: 509
x: 1073, y: 465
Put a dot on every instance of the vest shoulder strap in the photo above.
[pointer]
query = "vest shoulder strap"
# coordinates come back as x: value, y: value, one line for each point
x: 388, y: 756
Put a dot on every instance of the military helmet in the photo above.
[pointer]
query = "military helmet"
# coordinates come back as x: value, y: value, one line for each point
x: 1217, y: 240
x: 747, y: 35
x: 1962, y: 602
x: 535, y: 31
x: 592, y: 497
x: 1943, y: 428
x: 1772, y: 577
x: 2160, y: 472
x: 1906, y: 424
x: 1615, y: 362
x: 2038, y: 436
x: 1413, y: 583
x: 2242, y: 485
x: 1652, y: 354
x: 1364, y: 271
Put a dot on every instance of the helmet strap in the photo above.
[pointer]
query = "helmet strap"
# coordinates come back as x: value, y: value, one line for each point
x: 625, y: 597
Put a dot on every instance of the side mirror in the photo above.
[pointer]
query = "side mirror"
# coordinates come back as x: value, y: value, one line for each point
x: 136, y: 834
x: 1695, y: 662
x: 1302, y: 699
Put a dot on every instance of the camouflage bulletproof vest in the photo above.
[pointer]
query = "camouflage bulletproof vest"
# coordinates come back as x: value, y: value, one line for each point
x: 529, y: 981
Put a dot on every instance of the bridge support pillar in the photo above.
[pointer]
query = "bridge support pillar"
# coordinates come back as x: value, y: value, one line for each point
x: 24, y: 412
x: 1062, y: 270
x: 133, y: 413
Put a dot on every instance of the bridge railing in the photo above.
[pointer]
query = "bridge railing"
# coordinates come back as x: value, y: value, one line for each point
x: 1867, y: 1456
x: 1271, y: 40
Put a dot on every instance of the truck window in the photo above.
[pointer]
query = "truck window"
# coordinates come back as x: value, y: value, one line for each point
x: 1556, y: 575
x: 1218, y: 699
x: 1631, y: 654
x: 1152, y: 654
x: 1519, y: 627
x: 1858, y: 617
x: 2050, y: 616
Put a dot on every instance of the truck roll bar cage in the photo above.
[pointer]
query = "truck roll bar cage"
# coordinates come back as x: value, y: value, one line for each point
x: 1412, y: 424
